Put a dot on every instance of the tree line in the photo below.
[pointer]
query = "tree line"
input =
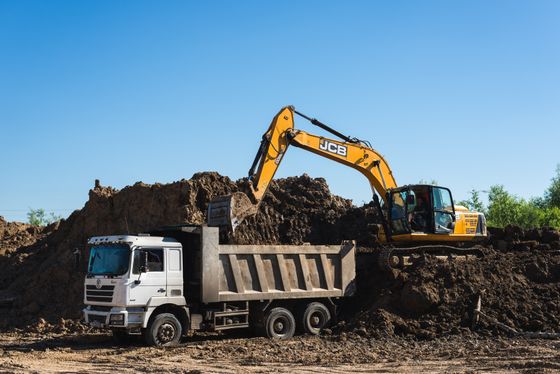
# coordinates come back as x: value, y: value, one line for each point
x: 505, y: 208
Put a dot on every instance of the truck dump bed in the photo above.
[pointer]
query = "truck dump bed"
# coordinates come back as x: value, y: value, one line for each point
x: 266, y: 272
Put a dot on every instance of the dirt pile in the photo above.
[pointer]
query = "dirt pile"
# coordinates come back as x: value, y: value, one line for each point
x: 14, y: 235
x: 40, y: 280
x: 514, y: 238
x: 518, y: 279
x: 519, y: 286
x: 301, y: 209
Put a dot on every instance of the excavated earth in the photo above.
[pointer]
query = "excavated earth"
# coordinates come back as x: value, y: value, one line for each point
x: 39, y: 279
x: 14, y: 235
x: 517, y: 281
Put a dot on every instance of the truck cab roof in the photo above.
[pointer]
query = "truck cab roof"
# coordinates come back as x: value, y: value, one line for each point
x: 136, y: 240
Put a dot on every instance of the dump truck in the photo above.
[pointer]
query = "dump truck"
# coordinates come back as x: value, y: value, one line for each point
x: 173, y: 280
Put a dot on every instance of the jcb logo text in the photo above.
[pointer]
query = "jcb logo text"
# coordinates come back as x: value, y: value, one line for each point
x: 331, y: 147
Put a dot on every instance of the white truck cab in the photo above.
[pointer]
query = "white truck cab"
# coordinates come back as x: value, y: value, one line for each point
x: 129, y: 277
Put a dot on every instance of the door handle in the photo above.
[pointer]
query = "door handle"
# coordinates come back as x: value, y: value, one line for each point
x: 161, y: 290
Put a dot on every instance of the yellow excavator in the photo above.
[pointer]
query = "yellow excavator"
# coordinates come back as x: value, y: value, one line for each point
x: 416, y: 219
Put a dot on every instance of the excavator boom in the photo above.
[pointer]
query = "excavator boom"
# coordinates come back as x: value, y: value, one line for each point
x: 232, y: 209
x: 350, y: 152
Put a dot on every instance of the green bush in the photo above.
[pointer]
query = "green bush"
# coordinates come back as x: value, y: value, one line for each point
x: 552, y: 194
x: 505, y: 208
x: 474, y: 203
x: 38, y: 217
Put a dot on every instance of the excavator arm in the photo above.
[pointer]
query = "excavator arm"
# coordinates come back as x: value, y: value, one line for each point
x: 350, y: 152
x: 232, y: 209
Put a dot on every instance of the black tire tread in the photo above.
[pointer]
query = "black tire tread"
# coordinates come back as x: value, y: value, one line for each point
x: 149, y: 335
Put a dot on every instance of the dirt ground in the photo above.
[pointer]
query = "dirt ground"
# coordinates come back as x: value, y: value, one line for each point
x: 95, y: 352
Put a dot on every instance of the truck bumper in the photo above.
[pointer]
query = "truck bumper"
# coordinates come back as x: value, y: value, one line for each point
x: 116, y: 317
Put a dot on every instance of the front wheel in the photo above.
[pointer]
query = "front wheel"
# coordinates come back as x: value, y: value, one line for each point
x: 163, y: 331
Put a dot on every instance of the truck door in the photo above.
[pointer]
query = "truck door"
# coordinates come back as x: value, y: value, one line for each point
x: 174, y: 273
x: 153, y: 282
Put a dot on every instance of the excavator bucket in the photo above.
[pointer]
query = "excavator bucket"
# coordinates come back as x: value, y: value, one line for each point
x: 230, y: 210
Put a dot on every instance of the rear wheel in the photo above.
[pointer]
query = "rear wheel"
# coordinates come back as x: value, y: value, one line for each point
x: 279, y: 323
x: 315, y: 317
x: 163, y: 331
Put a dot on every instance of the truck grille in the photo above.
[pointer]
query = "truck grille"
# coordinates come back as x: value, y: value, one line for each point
x: 103, y: 294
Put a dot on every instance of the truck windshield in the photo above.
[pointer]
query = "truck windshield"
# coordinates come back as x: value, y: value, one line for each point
x: 109, y: 260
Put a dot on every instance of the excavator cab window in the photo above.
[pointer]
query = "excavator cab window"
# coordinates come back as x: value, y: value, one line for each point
x: 399, y: 222
x: 419, y: 213
x: 444, y: 211
x: 421, y: 209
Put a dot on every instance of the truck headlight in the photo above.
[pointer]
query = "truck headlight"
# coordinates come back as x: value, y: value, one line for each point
x: 116, y: 319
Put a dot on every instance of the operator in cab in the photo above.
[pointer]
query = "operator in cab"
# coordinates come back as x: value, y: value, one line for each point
x: 420, y: 214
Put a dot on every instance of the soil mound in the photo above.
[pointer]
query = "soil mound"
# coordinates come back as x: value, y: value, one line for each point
x: 300, y: 210
x: 518, y: 279
x: 519, y: 289
x: 16, y: 234
x: 41, y: 281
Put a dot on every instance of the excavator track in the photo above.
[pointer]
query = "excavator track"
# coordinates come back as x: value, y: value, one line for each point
x: 390, y: 258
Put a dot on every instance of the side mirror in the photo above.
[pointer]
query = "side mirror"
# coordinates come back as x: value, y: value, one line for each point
x: 77, y: 258
x: 144, y: 264
x: 410, y: 199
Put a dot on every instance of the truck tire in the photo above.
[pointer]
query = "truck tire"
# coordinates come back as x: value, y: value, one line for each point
x: 121, y: 336
x: 163, y: 331
x: 279, y: 323
x: 315, y: 317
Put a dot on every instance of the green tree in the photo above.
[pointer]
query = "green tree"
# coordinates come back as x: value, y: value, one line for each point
x: 474, y: 202
x: 552, y: 194
x: 424, y: 181
x: 505, y: 208
x: 552, y: 217
x: 38, y: 217
x: 539, y: 202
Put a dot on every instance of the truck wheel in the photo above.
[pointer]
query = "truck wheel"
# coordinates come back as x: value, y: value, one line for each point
x: 120, y: 336
x: 315, y: 317
x: 279, y: 324
x: 163, y: 331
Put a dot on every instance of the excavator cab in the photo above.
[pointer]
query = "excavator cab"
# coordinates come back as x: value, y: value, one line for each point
x: 424, y: 209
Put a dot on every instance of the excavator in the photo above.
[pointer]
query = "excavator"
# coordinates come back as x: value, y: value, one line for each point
x: 415, y: 219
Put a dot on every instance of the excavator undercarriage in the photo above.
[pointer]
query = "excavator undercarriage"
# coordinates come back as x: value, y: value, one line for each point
x: 390, y: 258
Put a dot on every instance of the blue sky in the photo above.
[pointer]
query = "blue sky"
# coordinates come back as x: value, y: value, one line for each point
x: 463, y: 92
